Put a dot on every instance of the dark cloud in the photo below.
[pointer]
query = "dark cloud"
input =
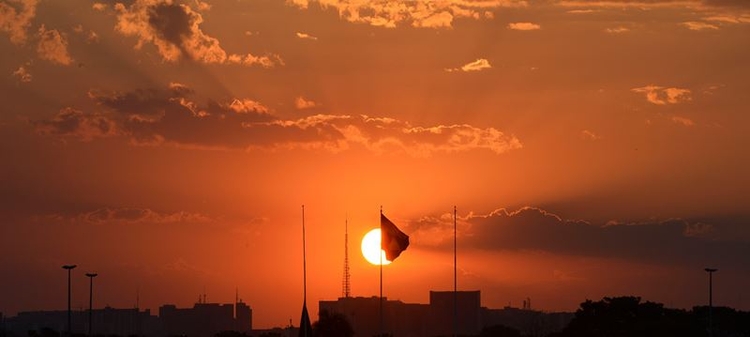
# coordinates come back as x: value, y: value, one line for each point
x: 730, y: 3
x: 76, y: 123
x: 172, y: 21
x: 170, y: 116
x: 674, y: 241
x: 175, y: 29
x: 155, y: 116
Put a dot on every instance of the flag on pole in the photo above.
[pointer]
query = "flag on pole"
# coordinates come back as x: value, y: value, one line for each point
x: 392, y: 240
x: 305, y: 328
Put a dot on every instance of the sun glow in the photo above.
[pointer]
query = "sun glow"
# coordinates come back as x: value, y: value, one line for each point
x: 371, y: 248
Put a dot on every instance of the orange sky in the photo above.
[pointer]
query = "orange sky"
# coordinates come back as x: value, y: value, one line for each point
x: 593, y: 148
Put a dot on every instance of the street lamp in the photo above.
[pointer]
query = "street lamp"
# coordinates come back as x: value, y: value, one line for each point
x: 69, y: 267
x: 710, y: 297
x: 91, y: 296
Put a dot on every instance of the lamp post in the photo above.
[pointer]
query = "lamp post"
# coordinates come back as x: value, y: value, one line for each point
x: 710, y: 298
x: 69, y: 267
x: 91, y: 296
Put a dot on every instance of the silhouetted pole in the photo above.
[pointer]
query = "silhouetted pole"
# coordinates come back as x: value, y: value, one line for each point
x: 710, y: 298
x: 91, y: 296
x: 381, y: 272
x: 455, y: 278
x: 304, y: 271
x: 69, y: 267
x: 304, y: 260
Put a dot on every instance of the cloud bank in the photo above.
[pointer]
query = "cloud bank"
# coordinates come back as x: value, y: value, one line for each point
x: 171, y: 117
x: 672, y: 241
x: 422, y: 14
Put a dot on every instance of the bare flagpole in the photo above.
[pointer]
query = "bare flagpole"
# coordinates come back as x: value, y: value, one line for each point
x: 381, y: 271
x: 304, y: 266
x: 304, y: 259
x: 455, y: 278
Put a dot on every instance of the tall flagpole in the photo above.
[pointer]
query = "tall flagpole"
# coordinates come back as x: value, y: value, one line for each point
x: 304, y: 260
x: 381, y: 271
x: 304, y: 272
x: 455, y: 287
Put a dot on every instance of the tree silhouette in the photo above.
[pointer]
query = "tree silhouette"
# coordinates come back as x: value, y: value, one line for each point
x: 44, y: 332
x: 499, y: 331
x: 627, y: 316
x: 230, y: 333
x: 332, y: 324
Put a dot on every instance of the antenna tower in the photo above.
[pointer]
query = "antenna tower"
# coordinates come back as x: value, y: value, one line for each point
x: 346, y: 285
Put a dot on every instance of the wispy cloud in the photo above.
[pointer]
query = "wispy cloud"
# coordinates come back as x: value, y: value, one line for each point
x: 590, y: 135
x: 175, y: 31
x: 306, y: 36
x: 661, y: 95
x: 170, y: 117
x: 23, y: 74
x: 699, y: 25
x: 478, y: 65
x: 126, y: 215
x: 132, y: 215
x: 619, y: 4
x: 693, y: 5
x: 683, y: 121
x: 247, y: 106
x: 729, y: 18
x: 302, y: 103
x: 582, y: 11
x: 524, y: 26
x: 91, y: 36
x: 617, y: 30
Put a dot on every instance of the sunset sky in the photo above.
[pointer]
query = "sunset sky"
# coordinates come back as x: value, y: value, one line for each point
x: 592, y: 148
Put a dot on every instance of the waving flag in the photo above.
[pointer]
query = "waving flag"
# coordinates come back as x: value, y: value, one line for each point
x: 392, y: 240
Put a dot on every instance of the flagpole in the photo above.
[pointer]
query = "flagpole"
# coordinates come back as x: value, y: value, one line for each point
x: 381, y: 271
x: 455, y: 287
x: 304, y: 260
x: 304, y: 270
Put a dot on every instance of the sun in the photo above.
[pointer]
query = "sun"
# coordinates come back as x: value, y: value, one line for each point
x: 371, y: 248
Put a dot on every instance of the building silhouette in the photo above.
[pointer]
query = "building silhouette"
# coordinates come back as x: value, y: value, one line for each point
x: 106, y: 321
x: 399, y: 318
x: 468, y: 312
x: 205, y: 319
x: 436, y: 318
x: 202, y: 320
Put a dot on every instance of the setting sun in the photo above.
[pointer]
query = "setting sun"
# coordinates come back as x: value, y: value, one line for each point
x: 371, y: 247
